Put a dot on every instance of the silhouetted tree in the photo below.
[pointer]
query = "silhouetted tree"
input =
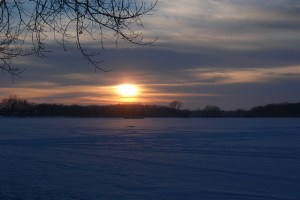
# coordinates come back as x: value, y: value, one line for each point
x: 175, y: 104
x: 276, y: 110
x: 25, y: 24
x: 211, y: 111
x: 14, y: 105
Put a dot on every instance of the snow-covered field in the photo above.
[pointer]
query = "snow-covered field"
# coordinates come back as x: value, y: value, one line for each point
x: 167, y: 159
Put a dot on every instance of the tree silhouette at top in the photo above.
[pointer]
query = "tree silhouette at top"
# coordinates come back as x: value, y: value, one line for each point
x: 26, y: 24
x: 175, y: 104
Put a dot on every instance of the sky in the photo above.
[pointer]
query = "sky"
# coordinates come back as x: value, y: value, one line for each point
x: 229, y: 53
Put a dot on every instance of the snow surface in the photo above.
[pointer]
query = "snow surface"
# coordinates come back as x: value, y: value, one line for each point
x: 167, y: 159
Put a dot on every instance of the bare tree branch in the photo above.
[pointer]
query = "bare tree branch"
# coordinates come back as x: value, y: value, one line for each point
x: 26, y: 24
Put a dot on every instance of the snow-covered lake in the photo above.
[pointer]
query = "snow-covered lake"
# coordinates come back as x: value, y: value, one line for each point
x: 164, y: 159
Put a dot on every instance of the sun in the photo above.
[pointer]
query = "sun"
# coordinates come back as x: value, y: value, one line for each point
x: 127, y: 90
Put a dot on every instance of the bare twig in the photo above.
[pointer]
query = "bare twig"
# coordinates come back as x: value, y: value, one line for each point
x: 68, y: 20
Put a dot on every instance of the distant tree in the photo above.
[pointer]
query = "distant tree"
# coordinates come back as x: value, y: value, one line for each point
x: 175, y: 104
x: 25, y: 24
x: 13, y: 105
x: 276, y: 110
x: 212, y: 111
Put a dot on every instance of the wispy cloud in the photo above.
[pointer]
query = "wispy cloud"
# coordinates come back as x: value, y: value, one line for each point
x: 226, y: 24
x: 253, y: 75
x: 225, y: 52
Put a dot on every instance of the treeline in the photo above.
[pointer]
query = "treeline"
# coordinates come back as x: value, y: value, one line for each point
x: 15, y: 106
x: 271, y: 110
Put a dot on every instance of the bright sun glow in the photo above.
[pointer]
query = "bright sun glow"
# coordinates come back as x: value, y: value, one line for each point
x: 127, y: 90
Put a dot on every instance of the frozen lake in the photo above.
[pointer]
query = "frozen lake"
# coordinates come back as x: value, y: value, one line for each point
x: 164, y: 159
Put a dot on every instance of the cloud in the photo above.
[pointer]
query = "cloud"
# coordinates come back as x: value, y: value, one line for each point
x: 224, y: 52
x: 235, y: 76
x: 226, y: 24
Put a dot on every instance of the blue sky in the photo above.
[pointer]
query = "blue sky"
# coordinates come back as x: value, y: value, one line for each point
x: 230, y: 53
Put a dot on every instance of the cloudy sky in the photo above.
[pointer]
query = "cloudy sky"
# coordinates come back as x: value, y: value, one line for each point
x: 229, y: 53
